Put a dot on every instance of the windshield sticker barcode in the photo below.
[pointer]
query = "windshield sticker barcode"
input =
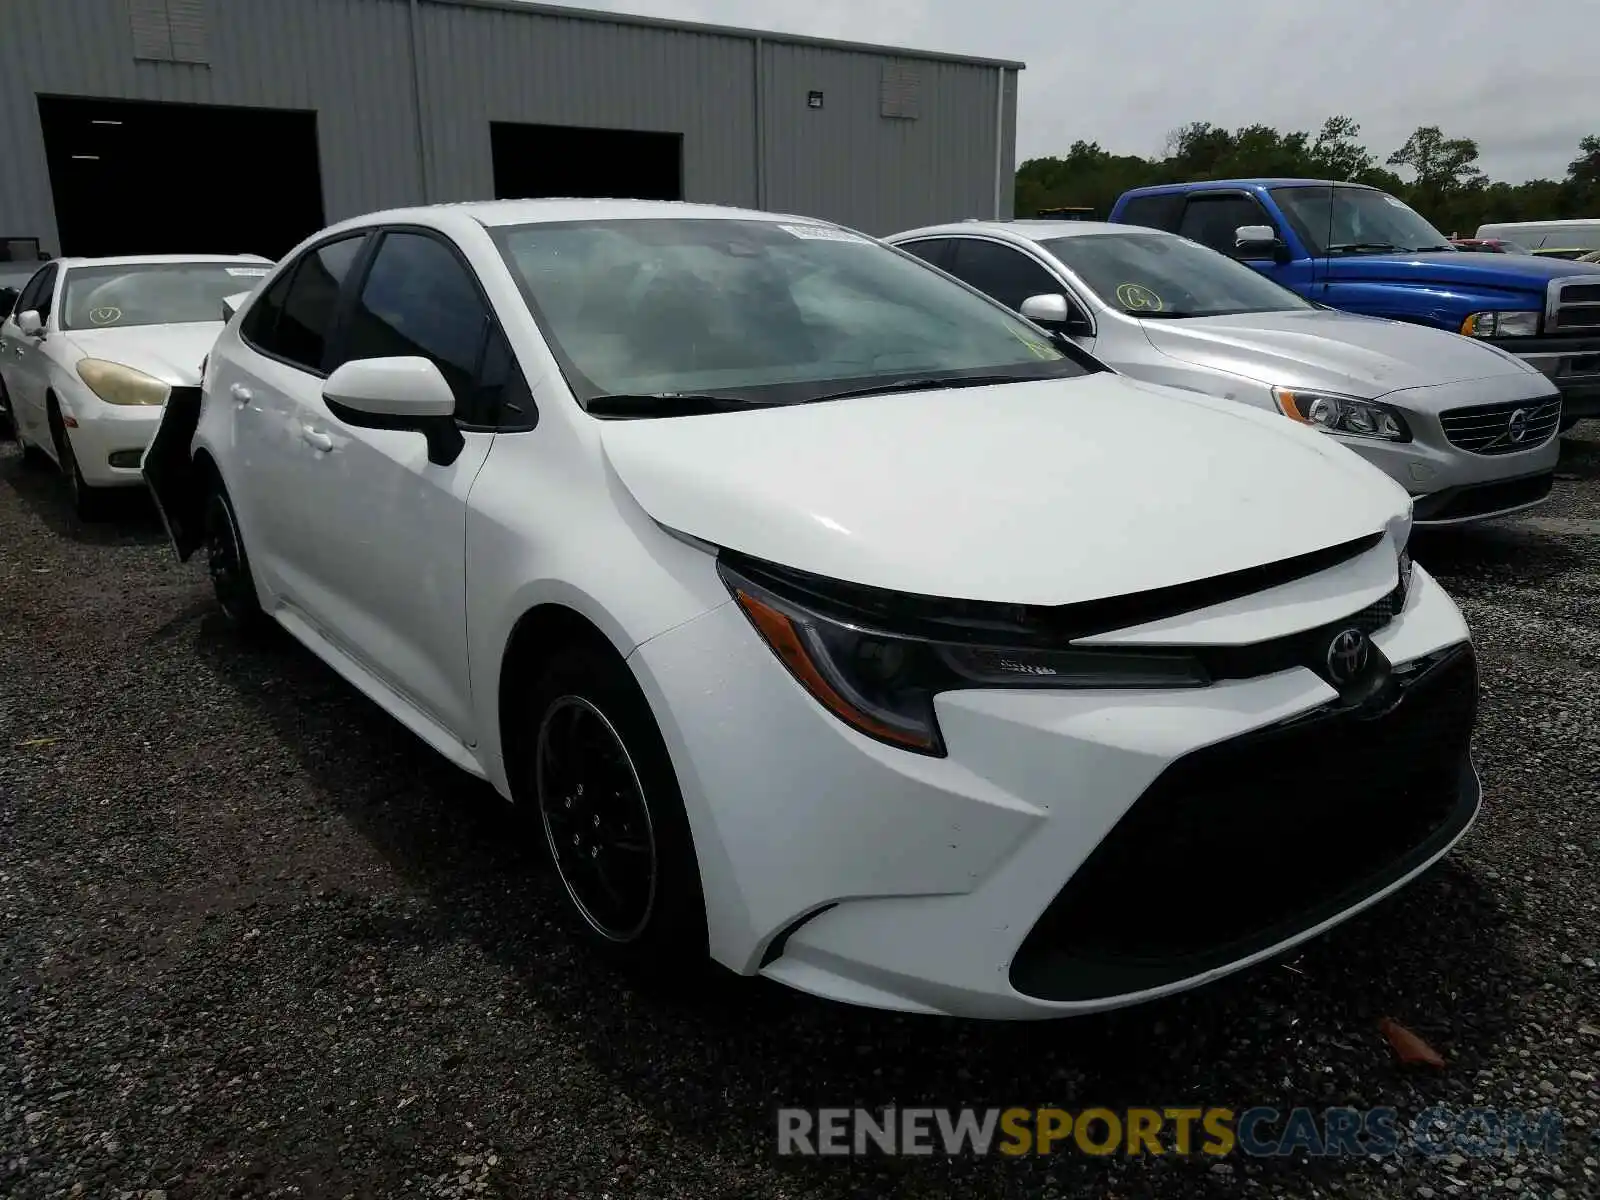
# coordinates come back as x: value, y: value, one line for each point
x: 823, y: 233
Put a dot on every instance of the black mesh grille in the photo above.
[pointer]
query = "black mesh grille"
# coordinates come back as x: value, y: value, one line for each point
x: 1502, y: 428
x: 1241, y: 845
x: 1479, y: 499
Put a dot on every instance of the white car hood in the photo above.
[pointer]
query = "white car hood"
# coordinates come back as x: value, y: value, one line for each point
x: 1044, y: 493
x: 1340, y: 352
x: 171, y: 353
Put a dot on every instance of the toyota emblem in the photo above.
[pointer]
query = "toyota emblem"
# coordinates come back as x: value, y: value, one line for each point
x: 1517, y: 427
x: 1348, y: 653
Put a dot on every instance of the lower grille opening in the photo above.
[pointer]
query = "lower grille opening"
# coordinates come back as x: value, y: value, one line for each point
x: 1241, y: 845
x: 1474, y: 500
x: 125, y: 458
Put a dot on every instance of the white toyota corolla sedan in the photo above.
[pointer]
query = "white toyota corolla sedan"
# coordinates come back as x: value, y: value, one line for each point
x: 809, y: 599
x: 94, y: 346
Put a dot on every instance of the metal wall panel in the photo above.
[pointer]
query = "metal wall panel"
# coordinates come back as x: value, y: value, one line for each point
x: 483, y: 65
x: 346, y: 59
x: 848, y: 162
x: 350, y: 61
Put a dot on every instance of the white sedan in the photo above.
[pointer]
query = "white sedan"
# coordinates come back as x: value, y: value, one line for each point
x: 805, y: 595
x: 93, y: 348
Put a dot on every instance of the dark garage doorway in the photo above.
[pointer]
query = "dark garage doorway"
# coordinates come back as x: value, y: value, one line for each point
x: 563, y: 160
x: 141, y: 177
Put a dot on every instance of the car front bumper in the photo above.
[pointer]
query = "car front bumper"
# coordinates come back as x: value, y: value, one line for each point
x: 1075, y: 851
x: 1451, y: 485
x: 1572, y: 364
x: 102, y: 432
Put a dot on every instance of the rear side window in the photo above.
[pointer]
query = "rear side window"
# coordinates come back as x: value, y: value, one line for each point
x: 294, y: 319
x: 1161, y: 211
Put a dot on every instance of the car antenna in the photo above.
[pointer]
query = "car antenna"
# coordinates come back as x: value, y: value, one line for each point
x: 1327, y: 243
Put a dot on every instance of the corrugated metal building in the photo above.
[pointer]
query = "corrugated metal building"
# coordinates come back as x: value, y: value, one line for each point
x: 315, y: 110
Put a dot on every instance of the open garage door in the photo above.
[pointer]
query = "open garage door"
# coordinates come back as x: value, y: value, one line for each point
x: 564, y: 160
x: 136, y: 177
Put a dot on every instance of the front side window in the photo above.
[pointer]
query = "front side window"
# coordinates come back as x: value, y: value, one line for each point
x: 1214, y: 221
x: 999, y: 271
x: 764, y: 312
x: 36, y: 295
x: 930, y: 250
x: 418, y: 300
x: 115, y: 297
x: 1158, y: 275
x: 293, y: 319
x: 1356, y: 220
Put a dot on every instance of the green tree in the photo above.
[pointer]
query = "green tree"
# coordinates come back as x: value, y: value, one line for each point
x: 1440, y: 163
x: 1338, y: 155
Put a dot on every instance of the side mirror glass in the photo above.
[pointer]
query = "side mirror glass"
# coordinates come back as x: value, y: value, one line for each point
x: 30, y: 323
x: 397, y: 393
x: 8, y: 301
x: 1056, y: 313
x: 232, y: 304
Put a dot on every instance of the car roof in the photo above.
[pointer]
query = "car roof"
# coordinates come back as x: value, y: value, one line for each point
x: 1285, y: 181
x: 153, y: 260
x: 499, y: 213
x: 1030, y: 231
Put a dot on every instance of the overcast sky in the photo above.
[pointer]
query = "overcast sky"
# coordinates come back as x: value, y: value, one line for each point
x: 1522, y: 77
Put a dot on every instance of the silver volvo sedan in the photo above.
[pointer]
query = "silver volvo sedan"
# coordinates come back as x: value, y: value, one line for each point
x: 1469, y: 430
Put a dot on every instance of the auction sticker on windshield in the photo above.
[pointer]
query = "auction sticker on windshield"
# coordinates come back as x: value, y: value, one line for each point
x: 1135, y: 296
x: 823, y: 233
x: 247, y: 272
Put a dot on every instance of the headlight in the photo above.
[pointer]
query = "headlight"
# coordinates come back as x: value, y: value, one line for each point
x: 1501, y: 324
x: 882, y: 683
x: 117, y: 384
x: 1343, y: 414
x: 1405, y: 574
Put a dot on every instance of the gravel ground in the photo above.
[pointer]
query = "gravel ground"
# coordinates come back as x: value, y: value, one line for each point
x: 257, y: 941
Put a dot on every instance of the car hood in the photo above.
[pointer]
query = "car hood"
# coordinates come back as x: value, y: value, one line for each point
x: 1458, y: 268
x: 1049, y: 492
x: 171, y: 353
x: 1342, y: 352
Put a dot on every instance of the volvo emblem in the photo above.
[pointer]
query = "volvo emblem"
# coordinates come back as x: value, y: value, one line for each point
x: 1517, y: 427
x: 1348, y: 653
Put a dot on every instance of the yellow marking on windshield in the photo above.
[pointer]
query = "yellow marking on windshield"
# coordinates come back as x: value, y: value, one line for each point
x: 1135, y: 297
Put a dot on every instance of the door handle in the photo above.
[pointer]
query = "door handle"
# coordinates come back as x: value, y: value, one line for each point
x: 240, y: 394
x: 316, y: 439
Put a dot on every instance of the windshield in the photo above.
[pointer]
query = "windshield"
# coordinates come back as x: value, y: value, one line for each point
x: 1158, y: 275
x: 768, y: 312
x: 1362, y: 221
x: 113, y: 297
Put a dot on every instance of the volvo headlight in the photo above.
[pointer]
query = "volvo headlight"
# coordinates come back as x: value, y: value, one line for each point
x: 117, y: 384
x: 882, y: 682
x: 1343, y: 414
x: 1501, y: 324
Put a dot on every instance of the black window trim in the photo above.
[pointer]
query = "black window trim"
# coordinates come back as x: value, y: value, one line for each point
x: 32, y: 279
x: 1030, y: 253
x: 357, y: 279
x: 288, y: 274
x: 1232, y: 194
x: 936, y: 238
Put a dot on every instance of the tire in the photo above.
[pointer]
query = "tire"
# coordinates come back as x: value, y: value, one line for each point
x: 88, y: 503
x: 229, y: 566
x: 1567, y: 423
x: 8, y: 422
x: 605, y: 803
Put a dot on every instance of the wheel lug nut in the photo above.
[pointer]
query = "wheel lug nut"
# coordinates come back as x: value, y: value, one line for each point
x: 597, y: 822
x: 594, y: 852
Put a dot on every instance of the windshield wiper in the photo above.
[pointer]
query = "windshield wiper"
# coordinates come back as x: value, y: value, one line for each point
x: 1362, y: 247
x: 925, y: 384
x: 1430, y: 249
x: 665, y: 404
x: 1159, y: 314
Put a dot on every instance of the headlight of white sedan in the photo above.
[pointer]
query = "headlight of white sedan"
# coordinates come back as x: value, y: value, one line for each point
x: 1343, y: 414
x: 1501, y: 324
x: 117, y: 384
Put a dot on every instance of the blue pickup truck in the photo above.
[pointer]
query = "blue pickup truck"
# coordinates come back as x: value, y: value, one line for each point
x: 1358, y: 248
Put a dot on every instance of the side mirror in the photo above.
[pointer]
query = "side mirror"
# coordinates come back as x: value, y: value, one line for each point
x: 232, y: 304
x: 30, y: 323
x: 1056, y: 313
x: 1259, y: 241
x: 8, y: 301
x: 397, y: 393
